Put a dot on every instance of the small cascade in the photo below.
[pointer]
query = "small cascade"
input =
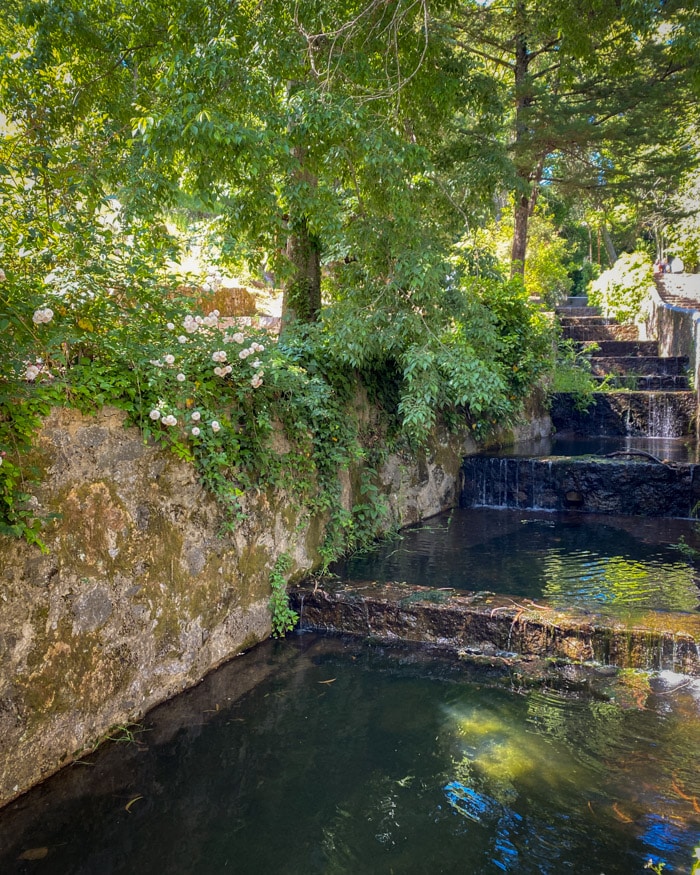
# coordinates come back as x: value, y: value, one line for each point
x: 485, y: 626
x: 519, y: 594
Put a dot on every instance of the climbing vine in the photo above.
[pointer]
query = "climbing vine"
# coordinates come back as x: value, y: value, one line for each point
x: 283, y: 617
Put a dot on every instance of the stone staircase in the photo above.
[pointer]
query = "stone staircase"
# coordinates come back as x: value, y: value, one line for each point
x: 645, y: 393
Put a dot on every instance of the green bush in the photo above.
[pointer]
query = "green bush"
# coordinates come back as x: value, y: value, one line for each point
x: 621, y: 291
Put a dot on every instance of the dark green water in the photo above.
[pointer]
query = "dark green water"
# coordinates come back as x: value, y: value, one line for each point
x: 324, y: 756
x: 621, y: 563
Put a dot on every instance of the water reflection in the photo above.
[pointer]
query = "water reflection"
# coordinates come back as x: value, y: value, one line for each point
x: 621, y: 562
x: 323, y: 756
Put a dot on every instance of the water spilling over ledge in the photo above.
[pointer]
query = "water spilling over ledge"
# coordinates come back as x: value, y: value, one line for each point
x: 610, y: 486
x: 650, y: 414
x: 489, y: 626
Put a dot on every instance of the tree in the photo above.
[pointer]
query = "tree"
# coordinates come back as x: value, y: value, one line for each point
x: 598, y: 93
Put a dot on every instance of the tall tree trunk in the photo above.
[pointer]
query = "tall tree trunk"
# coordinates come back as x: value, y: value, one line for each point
x: 519, y: 245
x: 523, y: 195
x: 609, y: 246
x: 302, y: 296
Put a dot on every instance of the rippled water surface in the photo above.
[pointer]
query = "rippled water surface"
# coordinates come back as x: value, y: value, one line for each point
x: 323, y: 756
x: 571, y: 559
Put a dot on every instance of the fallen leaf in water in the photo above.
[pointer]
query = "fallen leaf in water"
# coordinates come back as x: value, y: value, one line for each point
x: 34, y: 854
x: 330, y: 681
x: 621, y: 815
x: 128, y: 805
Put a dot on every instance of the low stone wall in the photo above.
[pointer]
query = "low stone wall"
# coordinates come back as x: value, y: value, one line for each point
x: 139, y: 593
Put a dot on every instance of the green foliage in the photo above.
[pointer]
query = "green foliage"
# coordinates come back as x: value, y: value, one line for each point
x: 477, y: 346
x: 283, y: 617
x: 621, y: 291
x: 546, y: 271
x: 546, y: 274
x: 217, y: 115
x: 581, y: 277
x: 572, y: 374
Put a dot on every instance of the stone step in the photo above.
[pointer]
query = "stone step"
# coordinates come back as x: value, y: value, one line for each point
x: 621, y: 347
x: 486, y: 625
x: 599, y: 332
x: 648, y: 414
x: 585, y: 320
x: 642, y: 365
x: 577, y: 311
x: 648, y: 383
x: 575, y: 301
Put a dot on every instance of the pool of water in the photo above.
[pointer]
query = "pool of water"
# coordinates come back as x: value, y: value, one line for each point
x: 672, y: 449
x: 622, y: 563
x: 321, y: 755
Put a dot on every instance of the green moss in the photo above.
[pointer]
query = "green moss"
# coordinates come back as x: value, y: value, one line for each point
x: 67, y: 672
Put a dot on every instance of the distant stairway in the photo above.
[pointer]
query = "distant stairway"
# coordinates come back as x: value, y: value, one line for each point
x: 645, y: 393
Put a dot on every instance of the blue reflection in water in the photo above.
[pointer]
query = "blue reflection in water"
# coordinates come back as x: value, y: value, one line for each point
x: 471, y: 804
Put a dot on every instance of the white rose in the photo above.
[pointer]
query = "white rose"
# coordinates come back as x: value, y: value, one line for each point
x: 181, y: 378
x: 196, y: 416
x: 195, y: 432
x: 169, y: 359
x: 215, y: 426
x: 154, y: 414
x: 170, y: 326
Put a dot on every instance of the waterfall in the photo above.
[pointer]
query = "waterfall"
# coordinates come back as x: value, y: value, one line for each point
x: 661, y: 416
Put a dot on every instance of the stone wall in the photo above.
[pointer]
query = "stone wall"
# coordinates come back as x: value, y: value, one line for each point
x: 139, y: 593
x: 676, y: 328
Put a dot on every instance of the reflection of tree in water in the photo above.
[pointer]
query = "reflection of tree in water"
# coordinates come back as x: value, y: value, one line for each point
x: 588, y: 577
x: 569, y: 561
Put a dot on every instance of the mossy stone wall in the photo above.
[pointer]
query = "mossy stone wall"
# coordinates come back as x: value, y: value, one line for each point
x: 139, y: 595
